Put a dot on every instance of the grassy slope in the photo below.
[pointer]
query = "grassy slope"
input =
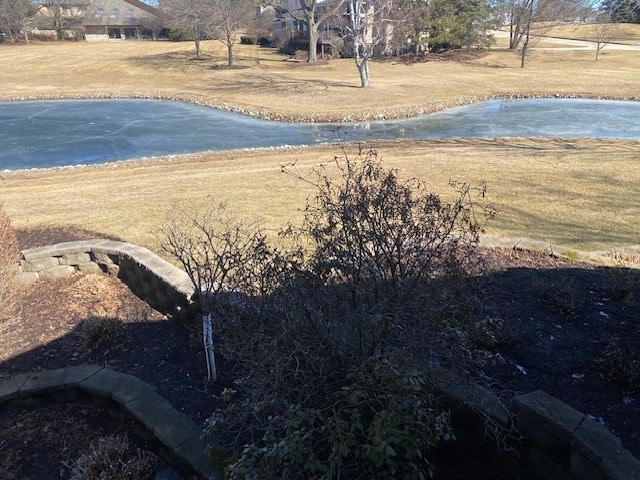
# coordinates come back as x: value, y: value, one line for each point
x: 584, y: 193
x: 626, y: 33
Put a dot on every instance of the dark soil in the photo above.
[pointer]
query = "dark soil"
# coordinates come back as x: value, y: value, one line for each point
x: 570, y: 329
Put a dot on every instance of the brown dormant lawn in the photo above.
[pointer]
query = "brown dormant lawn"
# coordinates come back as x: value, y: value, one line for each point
x: 626, y: 33
x: 583, y: 194
x: 270, y: 84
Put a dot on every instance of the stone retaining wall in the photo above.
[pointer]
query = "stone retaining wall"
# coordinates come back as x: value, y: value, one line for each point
x: 156, y: 281
x: 177, y: 439
x: 560, y: 443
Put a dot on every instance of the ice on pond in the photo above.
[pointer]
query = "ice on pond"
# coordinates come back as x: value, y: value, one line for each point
x: 39, y: 134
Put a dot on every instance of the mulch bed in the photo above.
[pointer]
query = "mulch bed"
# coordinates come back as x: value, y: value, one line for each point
x: 563, y: 324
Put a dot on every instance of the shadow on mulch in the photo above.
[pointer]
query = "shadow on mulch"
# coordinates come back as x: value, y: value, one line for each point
x: 558, y: 322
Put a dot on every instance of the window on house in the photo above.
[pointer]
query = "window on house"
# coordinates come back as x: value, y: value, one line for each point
x: 130, y: 13
x: 114, y: 13
x: 99, y: 12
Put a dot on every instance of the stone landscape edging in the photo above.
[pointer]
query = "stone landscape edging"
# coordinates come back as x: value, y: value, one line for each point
x: 559, y: 442
x: 556, y: 434
x: 155, y: 280
x: 180, y: 439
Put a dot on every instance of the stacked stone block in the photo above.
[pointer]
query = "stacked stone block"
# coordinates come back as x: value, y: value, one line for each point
x: 156, y: 281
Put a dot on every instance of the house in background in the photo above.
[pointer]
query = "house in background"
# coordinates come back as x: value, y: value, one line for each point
x: 106, y: 20
x: 98, y: 20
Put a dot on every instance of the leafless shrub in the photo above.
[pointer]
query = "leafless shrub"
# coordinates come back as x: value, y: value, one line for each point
x: 9, y: 256
x: 332, y: 338
x: 111, y: 458
x: 623, y: 283
x: 625, y: 258
x: 96, y: 331
x: 221, y: 254
x: 563, y: 297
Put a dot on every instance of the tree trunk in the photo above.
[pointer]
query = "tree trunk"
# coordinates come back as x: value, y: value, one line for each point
x: 527, y: 34
x: 313, y: 41
x: 525, y: 49
x: 230, y: 53
x: 197, y: 41
x: 363, y: 69
x: 207, y: 337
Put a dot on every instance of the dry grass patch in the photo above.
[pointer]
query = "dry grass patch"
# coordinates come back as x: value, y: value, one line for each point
x: 581, y: 193
x: 629, y: 33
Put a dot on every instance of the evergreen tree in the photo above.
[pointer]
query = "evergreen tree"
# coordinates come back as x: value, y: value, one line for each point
x: 459, y: 23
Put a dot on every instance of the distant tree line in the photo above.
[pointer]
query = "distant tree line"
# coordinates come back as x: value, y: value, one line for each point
x: 622, y: 11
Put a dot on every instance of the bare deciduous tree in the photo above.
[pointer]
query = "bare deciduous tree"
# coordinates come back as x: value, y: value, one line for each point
x: 211, y: 246
x: 315, y: 13
x: 195, y: 17
x: 15, y: 17
x: 604, y: 34
x: 231, y: 16
x: 371, y: 23
x: 63, y: 16
x: 531, y: 19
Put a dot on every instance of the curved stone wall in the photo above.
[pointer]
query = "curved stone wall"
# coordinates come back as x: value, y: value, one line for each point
x: 177, y: 439
x: 156, y: 281
x: 559, y: 442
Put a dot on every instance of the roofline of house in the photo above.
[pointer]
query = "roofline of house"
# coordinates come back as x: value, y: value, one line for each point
x: 143, y: 6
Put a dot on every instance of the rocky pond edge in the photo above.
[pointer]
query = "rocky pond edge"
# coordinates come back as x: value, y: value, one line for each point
x: 389, y: 113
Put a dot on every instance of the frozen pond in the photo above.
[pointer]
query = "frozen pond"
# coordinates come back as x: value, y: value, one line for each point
x: 39, y: 134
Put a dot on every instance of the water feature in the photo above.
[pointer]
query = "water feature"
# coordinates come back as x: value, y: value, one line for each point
x: 38, y: 134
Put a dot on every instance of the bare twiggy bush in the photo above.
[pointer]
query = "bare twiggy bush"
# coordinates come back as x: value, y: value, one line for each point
x: 332, y: 339
x: 221, y: 254
x: 563, y: 297
x: 9, y: 256
x: 112, y: 458
x: 623, y: 283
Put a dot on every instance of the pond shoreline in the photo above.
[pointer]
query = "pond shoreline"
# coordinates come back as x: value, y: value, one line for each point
x: 393, y: 113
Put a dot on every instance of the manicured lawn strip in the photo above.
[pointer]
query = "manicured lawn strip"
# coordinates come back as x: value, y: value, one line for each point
x: 580, y: 193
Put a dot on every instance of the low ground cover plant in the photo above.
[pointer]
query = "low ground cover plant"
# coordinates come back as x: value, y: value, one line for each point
x: 331, y: 338
x: 113, y: 458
